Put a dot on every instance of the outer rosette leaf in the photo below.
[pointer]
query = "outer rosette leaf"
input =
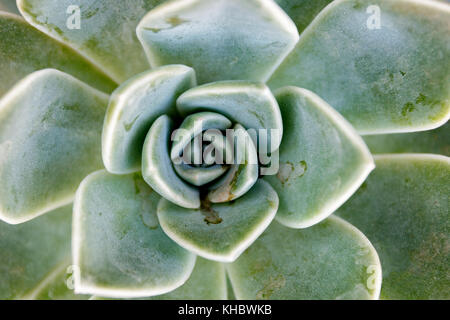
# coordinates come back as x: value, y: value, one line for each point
x: 331, y: 260
x: 383, y: 75
x: 221, y: 39
x: 24, y: 50
x: 50, y: 134
x: 35, y: 257
x: 106, y: 33
x: 223, y: 231
x: 132, y: 109
x: 207, y: 282
x: 323, y: 161
x: 403, y: 208
x: 118, y: 245
x: 434, y: 141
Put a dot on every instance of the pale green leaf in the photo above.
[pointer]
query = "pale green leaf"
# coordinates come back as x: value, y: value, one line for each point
x: 118, y: 246
x: 34, y: 257
x: 248, y: 103
x: 157, y: 168
x: 50, y: 136
x: 242, y: 174
x: 24, y: 50
x: 395, y: 78
x: 322, y: 160
x: 433, y: 141
x: 403, y: 207
x: 331, y: 260
x: 132, y: 109
x: 220, y: 232
x: 106, y: 33
x: 221, y: 39
x: 207, y: 282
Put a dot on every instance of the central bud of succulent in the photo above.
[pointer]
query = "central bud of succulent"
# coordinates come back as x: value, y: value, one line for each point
x: 210, y: 152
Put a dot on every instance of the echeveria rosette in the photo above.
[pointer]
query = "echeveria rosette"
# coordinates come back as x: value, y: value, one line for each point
x: 145, y: 225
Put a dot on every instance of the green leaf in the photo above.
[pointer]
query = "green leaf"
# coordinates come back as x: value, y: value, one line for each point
x: 403, y: 208
x: 322, y: 160
x: 220, y: 232
x: 157, y: 168
x: 207, y: 282
x: 248, y: 103
x: 50, y: 135
x: 221, y: 40
x: 434, y: 141
x: 24, y: 50
x: 9, y: 6
x: 118, y: 245
x: 302, y: 12
x: 33, y: 256
x: 331, y: 260
x: 132, y: 109
x: 106, y: 34
x: 386, y: 80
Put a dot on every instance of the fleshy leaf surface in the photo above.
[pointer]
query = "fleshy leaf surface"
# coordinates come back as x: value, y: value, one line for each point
x: 242, y: 174
x: 302, y: 12
x: 157, y: 168
x: 47, y: 121
x: 101, y: 30
x: 207, y: 282
x: 322, y: 160
x: 33, y: 255
x: 221, y: 39
x: 403, y: 207
x: 23, y: 50
x: 220, y: 232
x: 132, y: 109
x: 9, y: 6
x: 331, y: 260
x: 433, y: 141
x: 248, y: 103
x: 382, y: 64
x: 118, y: 245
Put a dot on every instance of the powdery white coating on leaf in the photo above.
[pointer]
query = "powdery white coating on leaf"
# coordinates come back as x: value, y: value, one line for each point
x: 221, y: 39
x: 47, y: 121
x: 331, y: 260
x: 322, y: 159
x: 118, y: 245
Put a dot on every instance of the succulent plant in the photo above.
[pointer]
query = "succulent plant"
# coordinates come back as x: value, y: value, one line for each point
x: 107, y: 106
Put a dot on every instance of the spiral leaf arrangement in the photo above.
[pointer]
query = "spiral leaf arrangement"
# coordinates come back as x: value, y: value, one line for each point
x: 166, y: 146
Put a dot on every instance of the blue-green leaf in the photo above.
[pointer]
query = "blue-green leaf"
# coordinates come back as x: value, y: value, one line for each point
x: 221, y: 39
x: 50, y: 136
x: 118, y: 246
